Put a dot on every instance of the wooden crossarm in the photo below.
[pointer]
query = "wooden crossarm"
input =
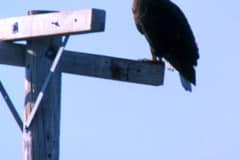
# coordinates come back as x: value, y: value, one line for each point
x: 112, y: 68
x: 50, y: 24
x: 93, y: 65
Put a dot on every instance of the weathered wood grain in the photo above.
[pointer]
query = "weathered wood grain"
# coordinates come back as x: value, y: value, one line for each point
x: 41, y: 139
x: 112, y: 68
x: 93, y: 65
x: 12, y: 54
x: 60, y: 23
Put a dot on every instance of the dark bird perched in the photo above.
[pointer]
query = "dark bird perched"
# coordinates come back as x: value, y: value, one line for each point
x: 169, y: 36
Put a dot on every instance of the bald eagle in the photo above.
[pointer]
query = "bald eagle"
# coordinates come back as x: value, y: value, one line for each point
x: 169, y: 35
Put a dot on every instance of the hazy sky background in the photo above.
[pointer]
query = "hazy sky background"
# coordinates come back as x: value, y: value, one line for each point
x: 111, y: 120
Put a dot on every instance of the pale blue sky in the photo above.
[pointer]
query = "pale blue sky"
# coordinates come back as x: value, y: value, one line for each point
x: 106, y: 120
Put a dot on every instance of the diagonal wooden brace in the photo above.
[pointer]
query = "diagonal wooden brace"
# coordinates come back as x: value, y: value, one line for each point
x: 11, y: 106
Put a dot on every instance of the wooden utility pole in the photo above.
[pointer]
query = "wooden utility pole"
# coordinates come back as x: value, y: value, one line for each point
x: 44, y: 36
x: 41, y: 139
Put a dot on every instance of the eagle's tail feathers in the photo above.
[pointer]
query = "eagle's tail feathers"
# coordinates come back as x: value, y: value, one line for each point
x: 185, y: 83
